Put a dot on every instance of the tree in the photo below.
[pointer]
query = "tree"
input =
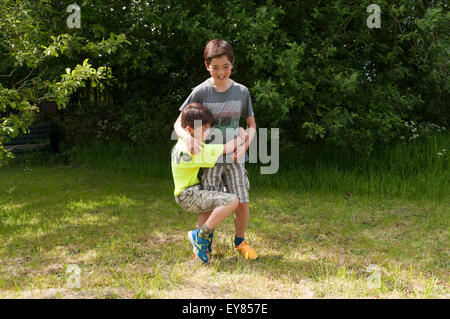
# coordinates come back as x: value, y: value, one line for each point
x: 314, y: 69
x: 33, y: 57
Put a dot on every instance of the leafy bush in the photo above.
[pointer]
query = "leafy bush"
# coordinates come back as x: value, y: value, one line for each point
x: 314, y: 70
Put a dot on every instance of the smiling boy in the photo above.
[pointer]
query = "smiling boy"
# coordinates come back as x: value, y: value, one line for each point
x: 228, y: 101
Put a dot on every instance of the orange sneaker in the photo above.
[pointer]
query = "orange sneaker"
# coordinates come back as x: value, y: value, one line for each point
x: 247, y: 251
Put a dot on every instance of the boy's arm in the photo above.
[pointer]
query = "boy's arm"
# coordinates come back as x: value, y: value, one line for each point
x: 251, y: 132
x: 236, y: 142
x: 193, y: 144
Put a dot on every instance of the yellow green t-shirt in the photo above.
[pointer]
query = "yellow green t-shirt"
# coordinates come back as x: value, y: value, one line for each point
x: 185, y: 166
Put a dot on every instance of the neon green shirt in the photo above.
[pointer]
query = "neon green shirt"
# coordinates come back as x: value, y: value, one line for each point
x: 185, y: 166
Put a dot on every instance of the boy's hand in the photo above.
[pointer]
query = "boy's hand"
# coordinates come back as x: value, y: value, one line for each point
x: 242, y: 133
x: 239, y: 153
x: 193, y: 145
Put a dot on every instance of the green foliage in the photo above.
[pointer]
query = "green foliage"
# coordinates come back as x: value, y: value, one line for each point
x: 19, y: 115
x: 317, y: 72
x: 314, y: 70
x: 34, y: 59
x: 74, y: 79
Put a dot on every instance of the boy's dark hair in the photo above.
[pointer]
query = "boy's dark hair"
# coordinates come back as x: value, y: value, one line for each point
x: 217, y: 48
x: 195, y: 112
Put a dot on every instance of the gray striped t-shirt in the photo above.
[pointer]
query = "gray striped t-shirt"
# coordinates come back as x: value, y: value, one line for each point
x: 227, y: 107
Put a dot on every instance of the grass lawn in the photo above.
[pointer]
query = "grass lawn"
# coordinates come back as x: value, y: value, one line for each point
x: 129, y: 239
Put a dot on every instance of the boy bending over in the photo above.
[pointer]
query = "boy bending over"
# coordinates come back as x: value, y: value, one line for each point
x: 212, y: 206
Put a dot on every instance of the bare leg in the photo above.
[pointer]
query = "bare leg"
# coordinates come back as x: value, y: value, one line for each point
x: 241, y: 218
x: 202, y: 218
x: 220, y: 213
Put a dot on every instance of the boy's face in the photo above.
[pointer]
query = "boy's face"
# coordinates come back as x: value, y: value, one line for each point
x: 201, y: 132
x: 220, y: 69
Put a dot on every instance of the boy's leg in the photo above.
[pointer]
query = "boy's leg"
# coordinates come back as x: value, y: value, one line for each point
x: 241, y: 218
x: 209, y: 221
x: 203, y: 234
x: 236, y: 180
x: 212, y: 178
x: 202, y: 218
x: 220, y: 213
x: 202, y: 202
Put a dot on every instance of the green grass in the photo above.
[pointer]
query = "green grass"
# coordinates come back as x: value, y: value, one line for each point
x: 110, y: 210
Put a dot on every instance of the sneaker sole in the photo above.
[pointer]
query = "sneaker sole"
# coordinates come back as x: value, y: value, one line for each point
x: 191, y: 240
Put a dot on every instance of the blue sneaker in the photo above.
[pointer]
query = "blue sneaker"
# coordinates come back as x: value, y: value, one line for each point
x: 210, y: 240
x: 200, y: 245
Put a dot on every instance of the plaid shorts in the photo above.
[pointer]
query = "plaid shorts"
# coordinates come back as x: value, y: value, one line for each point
x: 233, y: 176
x: 200, y: 201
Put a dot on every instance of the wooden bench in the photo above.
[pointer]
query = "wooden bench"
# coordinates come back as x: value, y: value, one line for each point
x: 41, y: 137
